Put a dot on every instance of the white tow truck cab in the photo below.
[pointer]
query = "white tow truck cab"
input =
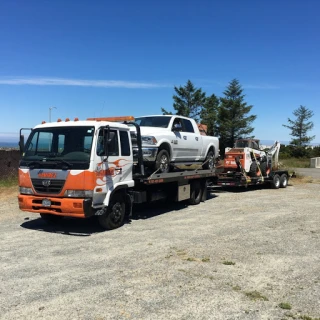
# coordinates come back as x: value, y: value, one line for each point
x: 85, y: 168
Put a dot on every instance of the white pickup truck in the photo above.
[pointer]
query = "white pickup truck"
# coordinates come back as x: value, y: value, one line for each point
x: 170, y: 140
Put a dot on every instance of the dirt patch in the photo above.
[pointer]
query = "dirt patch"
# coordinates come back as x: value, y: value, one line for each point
x: 8, y: 192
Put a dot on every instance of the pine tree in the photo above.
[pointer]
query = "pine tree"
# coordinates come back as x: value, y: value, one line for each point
x: 300, y: 127
x: 188, y: 101
x: 233, y: 119
x: 209, y: 114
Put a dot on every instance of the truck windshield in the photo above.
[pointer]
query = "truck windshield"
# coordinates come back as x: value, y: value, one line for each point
x: 161, y: 122
x: 69, y: 146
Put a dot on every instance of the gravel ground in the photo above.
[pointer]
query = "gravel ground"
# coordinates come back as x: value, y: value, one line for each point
x: 236, y: 256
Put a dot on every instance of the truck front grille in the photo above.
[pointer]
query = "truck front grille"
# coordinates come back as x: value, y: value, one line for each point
x: 53, y: 187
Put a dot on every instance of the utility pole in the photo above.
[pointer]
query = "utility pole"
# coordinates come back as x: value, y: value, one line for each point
x: 50, y: 112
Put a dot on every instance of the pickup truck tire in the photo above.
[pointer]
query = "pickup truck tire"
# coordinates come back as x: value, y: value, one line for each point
x: 114, y: 216
x: 51, y: 218
x: 163, y: 161
x: 196, y: 192
x: 209, y: 162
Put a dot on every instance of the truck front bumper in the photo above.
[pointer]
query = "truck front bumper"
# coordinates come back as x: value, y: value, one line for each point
x: 149, y: 154
x: 67, y: 207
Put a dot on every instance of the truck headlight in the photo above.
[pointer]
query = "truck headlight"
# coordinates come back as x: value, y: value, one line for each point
x: 78, y: 193
x: 149, y: 140
x: 24, y: 190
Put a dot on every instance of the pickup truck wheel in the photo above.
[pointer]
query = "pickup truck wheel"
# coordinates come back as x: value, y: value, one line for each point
x: 114, y: 216
x: 51, y: 218
x: 209, y: 162
x: 163, y: 161
x: 196, y: 192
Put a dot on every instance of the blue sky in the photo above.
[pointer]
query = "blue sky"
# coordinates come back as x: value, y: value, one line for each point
x: 109, y: 58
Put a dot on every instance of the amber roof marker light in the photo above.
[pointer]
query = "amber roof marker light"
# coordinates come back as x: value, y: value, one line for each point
x: 113, y: 119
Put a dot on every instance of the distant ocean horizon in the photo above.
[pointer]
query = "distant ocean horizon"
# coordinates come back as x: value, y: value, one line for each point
x: 9, y: 144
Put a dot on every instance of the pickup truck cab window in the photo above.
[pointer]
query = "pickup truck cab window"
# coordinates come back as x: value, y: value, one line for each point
x: 160, y: 122
x: 187, y: 126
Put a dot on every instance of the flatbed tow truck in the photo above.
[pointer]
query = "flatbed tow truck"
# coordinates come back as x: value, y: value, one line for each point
x: 87, y: 168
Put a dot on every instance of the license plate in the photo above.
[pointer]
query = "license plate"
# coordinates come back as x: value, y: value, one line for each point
x: 46, y: 203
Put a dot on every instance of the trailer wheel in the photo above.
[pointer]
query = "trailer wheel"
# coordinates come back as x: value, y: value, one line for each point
x: 196, y: 192
x: 253, y: 169
x: 209, y: 162
x: 283, y: 181
x: 114, y: 216
x: 163, y: 161
x: 51, y: 218
x: 276, y: 182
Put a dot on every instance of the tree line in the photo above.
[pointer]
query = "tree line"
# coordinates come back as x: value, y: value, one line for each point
x: 229, y: 117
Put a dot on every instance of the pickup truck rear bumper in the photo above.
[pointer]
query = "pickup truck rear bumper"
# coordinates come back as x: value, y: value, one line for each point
x: 149, y: 154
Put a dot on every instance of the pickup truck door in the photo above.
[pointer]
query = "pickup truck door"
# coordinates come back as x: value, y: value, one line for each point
x: 186, y: 144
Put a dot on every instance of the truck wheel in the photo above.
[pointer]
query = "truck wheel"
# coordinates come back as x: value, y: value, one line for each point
x: 283, y: 181
x: 114, y: 216
x: 253, y: 169
x: 163, y: 161
x: 196, y: 192
x: 263, y: 168
x: 209, y: 162
x: 276, y: 182
x: 51, y: 218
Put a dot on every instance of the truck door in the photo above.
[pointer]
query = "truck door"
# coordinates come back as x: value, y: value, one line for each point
x: 115, y: 168
x: 192, y: 141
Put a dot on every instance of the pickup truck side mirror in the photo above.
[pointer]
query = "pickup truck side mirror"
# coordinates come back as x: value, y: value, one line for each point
x: 177, y: 127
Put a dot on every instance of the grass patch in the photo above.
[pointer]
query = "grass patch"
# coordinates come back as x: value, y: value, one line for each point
x: 205, y: 259
x: 295, y: 163
x: 236, y: 288
x: 285, y: 305
x: 308, y: 318
x: 9, y: 182
x: 228, y: 263
x: 255, y: 295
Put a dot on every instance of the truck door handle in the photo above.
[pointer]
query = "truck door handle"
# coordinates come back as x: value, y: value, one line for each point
x: 185, y: 137
x: 118, y: 170
x: 197, y: 138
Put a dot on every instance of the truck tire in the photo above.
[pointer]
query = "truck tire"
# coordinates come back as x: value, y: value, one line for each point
x: 283, y: 181
x: 209, y: 162
x: 253, y: 169
x: 51, y: 218
x: 196, y: 192
x: 163, y: 161
x: 114, y: 216
x: 275, y: 184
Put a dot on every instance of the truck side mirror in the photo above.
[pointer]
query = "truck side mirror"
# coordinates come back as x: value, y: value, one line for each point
x: 21, y: 143
x: 177, y: 127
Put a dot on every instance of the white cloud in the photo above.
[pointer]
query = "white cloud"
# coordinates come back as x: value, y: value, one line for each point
x: 258, y: 86
x: 80, y: 83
